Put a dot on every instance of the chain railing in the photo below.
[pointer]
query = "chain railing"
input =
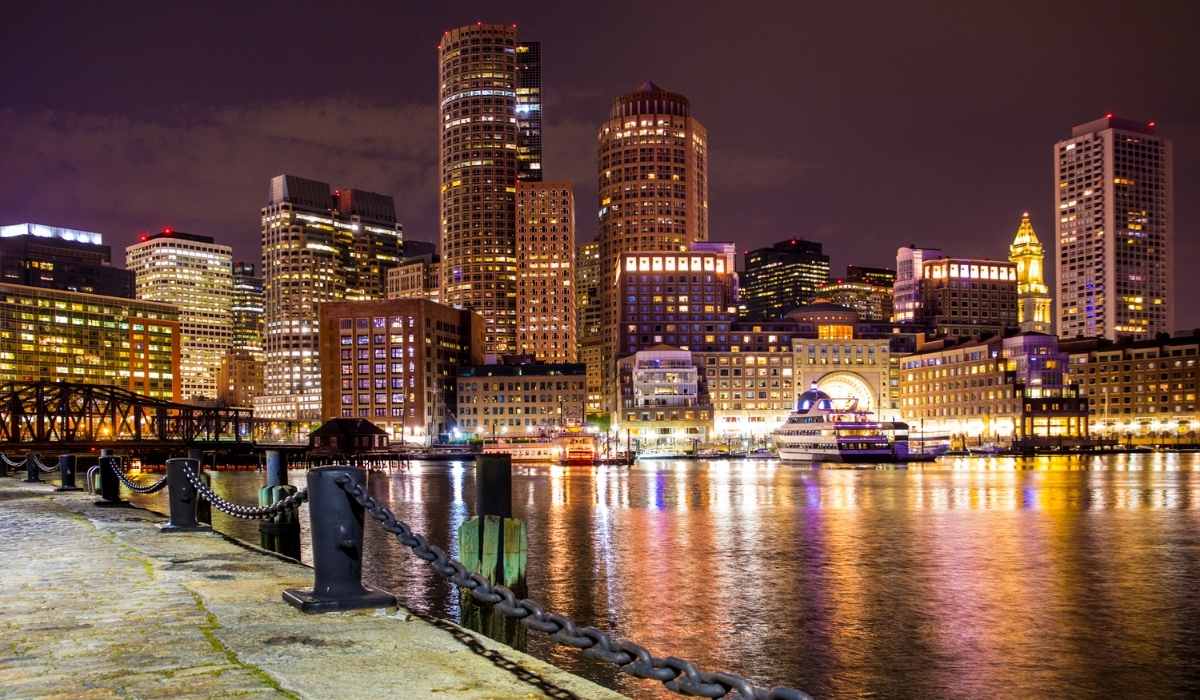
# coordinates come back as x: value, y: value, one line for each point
x: 676, y: 674
x: 134, y: 486
x: 238, y: 510
x: 11, y: 463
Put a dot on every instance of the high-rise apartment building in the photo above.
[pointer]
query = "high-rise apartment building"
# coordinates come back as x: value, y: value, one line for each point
x: 1114, y: 230
x: 417, y: 277
x: 906, y: 290
x: 546, y: 271
x: 477, y: 155
x: 1033, y: 296
x: 319, y: 245
x: 194, y: 273
x: 962, y: 297
x: 529, y: 111
x: 60, y: 258
x: 588, y: 329
x: 653, y: 188
x: 782, y: 277
x: 247, y: 309
x: 56, y: 335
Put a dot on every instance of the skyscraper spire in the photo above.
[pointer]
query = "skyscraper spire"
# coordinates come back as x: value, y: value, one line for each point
x: 1033, y: 296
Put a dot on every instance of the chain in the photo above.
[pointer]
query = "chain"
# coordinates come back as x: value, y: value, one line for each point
x: 240, y: 511
x: 10, y: 463
x: 129, y: 484
x: 676, y: 674
x: 42, y: 467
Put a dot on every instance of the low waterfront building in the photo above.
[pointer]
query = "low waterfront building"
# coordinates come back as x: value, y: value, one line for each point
x: 395, y: 362
x: 749, y: 383
x: 53, y: 257
x: 1140, y: 391
x: 663, y: 405
x: 56, y: 335
x: 1014, y: 389
x: 519, y: 399
x: 967, y: 298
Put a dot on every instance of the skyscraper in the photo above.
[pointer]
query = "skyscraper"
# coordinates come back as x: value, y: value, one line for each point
x: 60, y: 258
x: 319, y: 245
x: 546, y: 271
x: 653, y: 187
x: 1033, y: 296
x: 247, y: 309
x: 529, y: 111
x: 1114, y: 229
x: 477, y: 153
x: 590, y: 339
x: 778, y: 279
x: 194, y: 273
x: 906, y: 291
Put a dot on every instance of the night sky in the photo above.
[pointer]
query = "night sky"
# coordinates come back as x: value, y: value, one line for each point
x: 863, y: 126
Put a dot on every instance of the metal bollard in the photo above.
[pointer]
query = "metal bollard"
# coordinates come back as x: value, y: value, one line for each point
x: 110, y: 486
x: 276, y: 468
x: 183, y: 497
x: 337, y: 548
x: 3, y: 465
x: 281, y: 532
x: 66, y: 473
x: 33, y: 475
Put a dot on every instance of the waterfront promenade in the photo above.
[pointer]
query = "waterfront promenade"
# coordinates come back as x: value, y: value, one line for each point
x: 97, y: 603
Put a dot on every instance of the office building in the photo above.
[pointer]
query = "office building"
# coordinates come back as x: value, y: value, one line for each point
x: 662, y: 405
x: 477, y: 153
x: 52, y: 257
x: 1114, y: 229
x: 782, y: 277
x: 56, y: 335
x: 963, y: 297
x: 653, y: 188
x: 1033, y: 296
x: 878, y: 276
x: 239, y: 378
x: 546, y: 271
x: 319, y: 245
x: 247, y: 310
x: 414, y: 248
x: 588, y: 313
x: 395, y: 363
x: 1140, y: 391
x: 906, y: 290
x: 195, y: 274
x: 521, y: 399
x: 529, y: 111
x: 871, y: 301
x: 1006, y: 390
x: 416, y: 278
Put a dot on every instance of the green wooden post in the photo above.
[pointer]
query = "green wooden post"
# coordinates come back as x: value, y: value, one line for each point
x: 495, y: 546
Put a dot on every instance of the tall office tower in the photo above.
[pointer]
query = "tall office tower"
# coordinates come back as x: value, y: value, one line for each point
x: 51, y: 257
x: 546, y: 271
x: 1033, y: 296
x: 1115, y: 231
x: 653, y: 188
x: 247, y: 309
x: 195, y: 274
x: 780, y: 278
x: 319, y: 245
x: 878, y: 276
x: 477, y: 150
x: 906, y: 291
x: 529, y: 111
x: 590, y: 338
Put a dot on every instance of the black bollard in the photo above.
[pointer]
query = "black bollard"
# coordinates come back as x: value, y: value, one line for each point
x: 66, y: 473
x: 3, y: 465
x: 276, y: 468
x: 110, y: 486
x: 337, y: 547
x: 183, y: 497
x: 33, y: 475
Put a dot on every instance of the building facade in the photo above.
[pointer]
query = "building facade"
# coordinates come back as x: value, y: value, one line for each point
x: 588, y: 314
x: 240, y: 378
x: 395, y: 363
x: 1115, y: 230
x: 247, y: 310
x: 195, y: 274
x: 477, y: 153
x: 56, y: 335
x: 964, y: 297
x: 906, y: 290
x: 871, y: 301
x: 319, y: 245
x: 878, y: 276
x: 1033, y: 296
x: 52, y: 257
x: 749, y: 385
x: 782, y: 277
x: 662, y: 402
x: 545, y: 251
x: 417, y: 277
x: 529, y: 111
x: 521, y: 399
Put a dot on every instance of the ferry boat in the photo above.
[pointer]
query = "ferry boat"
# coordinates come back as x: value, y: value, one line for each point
x: 821, y: 431
x: 570, y: 448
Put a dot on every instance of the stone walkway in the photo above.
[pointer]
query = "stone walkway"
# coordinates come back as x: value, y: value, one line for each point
x: 96, y: 603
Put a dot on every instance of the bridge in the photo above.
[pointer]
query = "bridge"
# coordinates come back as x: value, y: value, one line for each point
x: 67, y: 416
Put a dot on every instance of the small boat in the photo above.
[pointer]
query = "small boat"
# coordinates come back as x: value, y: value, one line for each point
x: 572, y: 448
x: 819, y: 430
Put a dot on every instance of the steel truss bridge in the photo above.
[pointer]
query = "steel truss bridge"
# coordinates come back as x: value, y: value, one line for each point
x: 70, y: 416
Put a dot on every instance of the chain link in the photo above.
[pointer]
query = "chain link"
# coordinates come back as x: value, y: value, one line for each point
x: 676, y: 674
x: 42, y: 467
x: 237, y: 510
x: 131, y: 485
x: 12, y: 464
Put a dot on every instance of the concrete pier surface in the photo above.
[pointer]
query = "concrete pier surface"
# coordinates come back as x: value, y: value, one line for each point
x: 97, y: 603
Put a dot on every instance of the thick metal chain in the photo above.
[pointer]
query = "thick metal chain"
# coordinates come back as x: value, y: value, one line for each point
x: 9, y: 462
x: 676, y: 674
x: 42, y: 467
x: 240, y: 511
x: 131, y: 485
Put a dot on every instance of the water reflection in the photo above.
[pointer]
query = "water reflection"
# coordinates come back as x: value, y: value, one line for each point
x: 1061, y: 576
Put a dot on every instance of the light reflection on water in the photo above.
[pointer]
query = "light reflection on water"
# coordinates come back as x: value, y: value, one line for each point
x: 974, y: 577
